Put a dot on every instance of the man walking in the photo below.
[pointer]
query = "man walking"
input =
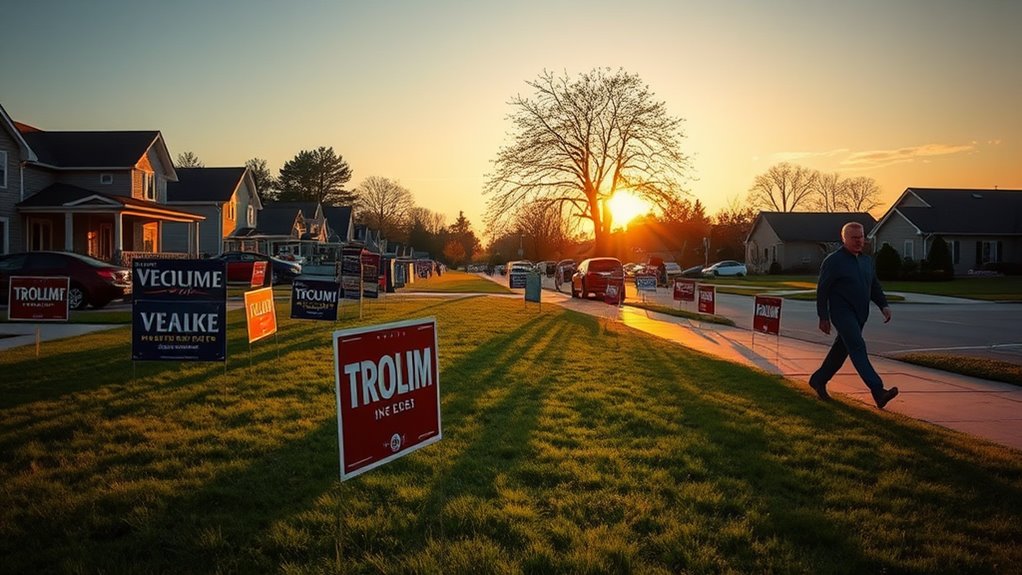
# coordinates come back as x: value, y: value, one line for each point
x: 847, y: 284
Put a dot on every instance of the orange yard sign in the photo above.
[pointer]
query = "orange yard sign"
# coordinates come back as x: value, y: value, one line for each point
x: 259, y: 314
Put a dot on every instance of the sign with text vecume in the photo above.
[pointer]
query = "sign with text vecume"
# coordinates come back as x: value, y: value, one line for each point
x: 388, y: 392
x: 766, y: 317
x: 179, y: 310
x: 314, y: 299
x: 707, y: 299
x: 31, y: 298
x: 260, y: 315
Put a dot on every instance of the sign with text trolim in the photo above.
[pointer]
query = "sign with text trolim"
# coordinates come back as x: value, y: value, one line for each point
x: 766, y: 315
x: 179, y: 310
x: 388, y: 392
x: 31, y: 298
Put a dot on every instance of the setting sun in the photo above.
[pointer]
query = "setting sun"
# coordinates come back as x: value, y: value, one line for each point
x: 625, y: 206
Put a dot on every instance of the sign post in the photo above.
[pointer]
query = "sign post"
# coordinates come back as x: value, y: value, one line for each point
x: 388, y: 392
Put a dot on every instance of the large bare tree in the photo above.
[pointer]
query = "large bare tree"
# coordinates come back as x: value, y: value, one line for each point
x: 862, y: 194
x: 829, y: 192
x: 384, y: 205
x: 783, y: 188
x: 577, y: 141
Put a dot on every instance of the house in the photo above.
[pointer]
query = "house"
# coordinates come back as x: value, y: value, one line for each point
x: 983, y: 228
x: 227, y: 197
x: 797, y: 241
x: 97, y: 193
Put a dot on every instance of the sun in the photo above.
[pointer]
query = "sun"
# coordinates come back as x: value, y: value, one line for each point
x: 626, y: 206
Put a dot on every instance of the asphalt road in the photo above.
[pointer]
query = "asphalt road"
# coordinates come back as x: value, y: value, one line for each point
x: 992, y: 330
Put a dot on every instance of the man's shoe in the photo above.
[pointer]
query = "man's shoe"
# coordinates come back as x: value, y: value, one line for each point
x: 886, y: 396
x: 820, y: 389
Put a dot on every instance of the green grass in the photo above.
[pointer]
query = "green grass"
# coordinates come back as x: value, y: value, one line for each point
x: 453, y: 281
x: 571, y: 445
x: 981, y: 367
x: 676, y: 312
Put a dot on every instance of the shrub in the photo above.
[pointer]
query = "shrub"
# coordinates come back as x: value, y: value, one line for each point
x: 938, y: 262
x: 888, y: 263
x: 775, y: 267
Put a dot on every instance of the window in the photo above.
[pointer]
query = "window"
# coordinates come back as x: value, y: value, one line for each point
x: 910, y: 252
x: 251, y: 217
x: 956, y: 251
x: 5, y: 230
x: 149, y: 186
x: 40, y: 235
x: 3, y: 169
x: 230, y: 210
x: 990, y: 252
x: 106, y: 179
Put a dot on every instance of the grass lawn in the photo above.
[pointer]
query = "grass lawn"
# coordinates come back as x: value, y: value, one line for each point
x: 454, y: 281
x: 718, y: 319
x: 981, y: 367
x: 1008, y: 288
x: 571, y: 445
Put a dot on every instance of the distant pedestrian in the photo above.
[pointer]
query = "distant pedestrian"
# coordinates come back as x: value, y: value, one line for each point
x: 847, y: 284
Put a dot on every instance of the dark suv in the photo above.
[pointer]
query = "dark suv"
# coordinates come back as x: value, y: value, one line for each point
x: 92, y: 282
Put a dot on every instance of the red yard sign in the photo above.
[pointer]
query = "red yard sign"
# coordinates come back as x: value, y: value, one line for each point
x: 260, y: 315
x: 684, y: 290
x: 38, y: 298
x: 388, y: 392
x: 258, y: 273
x: 766, y: 316
x: 707, y: 299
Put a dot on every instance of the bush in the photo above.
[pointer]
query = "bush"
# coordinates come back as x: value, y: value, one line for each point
x: 888, y: 263
x: 938, y: 262
x: 775, y: 268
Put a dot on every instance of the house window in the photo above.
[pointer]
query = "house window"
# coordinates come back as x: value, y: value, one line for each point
x: 5, y: 230
x: 3, y: 169
x: 230, y: 210
x: 106, y: 179
x: 251, y: 217
x: 990, y: 252
x: 40, y: 235
x: 149, y: 186
x: 910, y: 250
x: 956, y: 251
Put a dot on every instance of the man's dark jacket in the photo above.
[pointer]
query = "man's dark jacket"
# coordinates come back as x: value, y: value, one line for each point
x: 847, y: 284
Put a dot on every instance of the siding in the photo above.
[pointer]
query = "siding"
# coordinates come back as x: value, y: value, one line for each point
x: 11, y: 194
x: 761, y: 239
x: 89, y: 180
x: 895, y: 231
x: 175, y: 234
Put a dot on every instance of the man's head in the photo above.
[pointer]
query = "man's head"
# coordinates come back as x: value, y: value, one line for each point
x: 854, y: 237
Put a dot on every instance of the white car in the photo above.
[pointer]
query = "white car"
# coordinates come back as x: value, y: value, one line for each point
x: 726, y: 268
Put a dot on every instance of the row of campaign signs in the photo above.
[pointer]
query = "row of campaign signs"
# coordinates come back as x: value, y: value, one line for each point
x: 766, y: 315
x: 387, y: 376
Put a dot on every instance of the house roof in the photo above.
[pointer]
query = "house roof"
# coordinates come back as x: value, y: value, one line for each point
x: 308, y: 209
x: 62, y: 196
x: 338, y: 218
x: 963, y: 211
x: 811, y: 226
x: 93, y: 150
x: 215, y: 185
x: 15, y: 129
x: 278, y: 219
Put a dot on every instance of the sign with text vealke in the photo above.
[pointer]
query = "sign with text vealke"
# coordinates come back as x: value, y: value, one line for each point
x: 388, y: 392
x: 32, y: 298
x: 707, y: 299
x: 766, y: 317
x: 179, y: 310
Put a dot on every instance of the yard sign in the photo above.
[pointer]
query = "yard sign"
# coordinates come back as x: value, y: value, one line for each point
x: 766, y: 317
x: 33, y: 298
x: 260, y: 315
x: 684, y: 290
x: 388, y: 392
x: 258, y: 273
x: 707, y: 299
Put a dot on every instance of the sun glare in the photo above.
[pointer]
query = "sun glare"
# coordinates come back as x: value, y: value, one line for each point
x: 626, y: 206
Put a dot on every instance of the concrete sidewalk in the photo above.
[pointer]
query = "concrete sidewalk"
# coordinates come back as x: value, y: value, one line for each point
x: 986, y: 409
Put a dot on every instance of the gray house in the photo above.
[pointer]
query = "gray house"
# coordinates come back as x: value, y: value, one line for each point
x: 97, y: 193
x: 798, y: 241
x: 227, y: 197
x: 983, y: 228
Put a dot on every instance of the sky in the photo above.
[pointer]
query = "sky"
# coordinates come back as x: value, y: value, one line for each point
x: 913, y: 93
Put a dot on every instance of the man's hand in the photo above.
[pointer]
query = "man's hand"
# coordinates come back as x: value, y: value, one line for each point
x: 887, y: 314
x: 825, y: 326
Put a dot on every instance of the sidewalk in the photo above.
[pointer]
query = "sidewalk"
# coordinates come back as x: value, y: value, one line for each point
x: 986, y: 409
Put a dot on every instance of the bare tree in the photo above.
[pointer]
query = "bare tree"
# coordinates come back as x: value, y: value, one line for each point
x: 578, y: 141
x: 829, y: 191
x: 384, y: 205
x: 783, y: 188
x: 189, y: 160
x: 862, y: 195
x: 432, y: 222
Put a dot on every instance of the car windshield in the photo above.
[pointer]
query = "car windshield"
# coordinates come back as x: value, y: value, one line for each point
x: 604, y: 266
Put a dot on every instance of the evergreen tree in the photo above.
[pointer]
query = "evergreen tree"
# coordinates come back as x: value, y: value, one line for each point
x: 939, y: 262
x: 316, y: 176
x: 888, y: 263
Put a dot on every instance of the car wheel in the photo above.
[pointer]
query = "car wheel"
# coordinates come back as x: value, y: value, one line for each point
x: 716, y: 273
x: 76, y: 298
x: 740, y: 274
x: 584, y: 293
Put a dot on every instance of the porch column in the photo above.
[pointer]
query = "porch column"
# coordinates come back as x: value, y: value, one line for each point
x: 193, y: 240
x: 118, y: 235
x: 69, y: 232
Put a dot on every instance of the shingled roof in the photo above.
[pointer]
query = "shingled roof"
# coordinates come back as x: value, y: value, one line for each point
x: 811, y: 226
x: 205, y: 184
x: 91, y: 150
x: 963, y: 211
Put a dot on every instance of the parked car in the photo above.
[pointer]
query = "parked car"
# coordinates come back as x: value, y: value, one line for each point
x: 91, y: 281
x: 726, y: 268
x: 595, y: 274
x: 563, y: 273
x: 692, y: 272
x: 239, y: 267
x: 671, y: 270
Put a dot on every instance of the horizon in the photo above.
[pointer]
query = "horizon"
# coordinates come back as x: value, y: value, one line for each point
x: 914, y: 94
